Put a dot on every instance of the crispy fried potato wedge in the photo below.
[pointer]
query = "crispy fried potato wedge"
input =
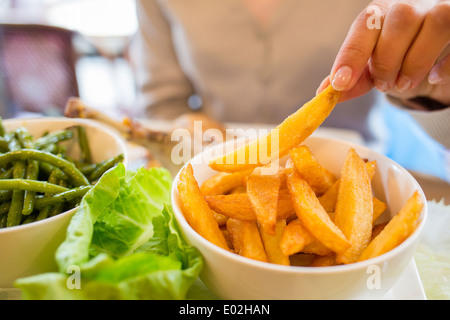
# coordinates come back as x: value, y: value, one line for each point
x: 195, y: 209
x: 238, y: 205
x: 263, y: 191
x: 329, y: 198
x: 400, y: 227
x: 246, y: 239
x: 354, y: 207
x: 309, y: 168
x: 324, y: 261
x: 295, y: 237
x: 378, y: 208
x: 272, y: 244
x: 314, y: 217
x: 223, y: 182
x: 289, y: 134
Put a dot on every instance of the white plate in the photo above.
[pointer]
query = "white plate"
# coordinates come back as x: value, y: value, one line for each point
x: 408, y: 286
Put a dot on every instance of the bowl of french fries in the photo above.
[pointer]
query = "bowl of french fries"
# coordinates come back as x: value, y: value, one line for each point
x: 308, y: 218
x: 47, y: 165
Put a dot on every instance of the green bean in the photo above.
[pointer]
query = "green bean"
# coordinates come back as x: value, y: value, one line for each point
x: 5, y: 195
x: 65, y: 196
x: 84, y: 145
x: 32, y: 170
x: 105, y: 165
x: 2, y: 128
x: 29, y: 219
x: 29, y: 197
x: 3, y: 219
x: 67, y: 167
x: 32, y: 185
x: 15, y: 209
x: 7, y: 174
x: 24, y: 137
x: 58, y: 207
x: 43, y: 213
x: 4, y: 207
x: 13, y: 143
x: 3, y: 144
x: 53, y: 138
x: 48, y: 169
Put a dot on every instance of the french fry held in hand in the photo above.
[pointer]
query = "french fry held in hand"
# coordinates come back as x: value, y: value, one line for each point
x: 195, y: 209
x: 289, y: 134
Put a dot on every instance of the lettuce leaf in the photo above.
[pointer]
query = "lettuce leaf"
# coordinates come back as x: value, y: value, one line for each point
x: 122, y: 243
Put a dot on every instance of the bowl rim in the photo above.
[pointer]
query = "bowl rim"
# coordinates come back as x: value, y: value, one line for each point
x: 184, y: 225
x: 88, y: 122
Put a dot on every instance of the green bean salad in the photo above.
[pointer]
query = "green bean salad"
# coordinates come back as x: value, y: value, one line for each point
x: 38, y: 177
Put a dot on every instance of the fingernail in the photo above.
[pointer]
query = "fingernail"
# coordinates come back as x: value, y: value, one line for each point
x: 342, y: 78
x: 435, y: 78
x: 381, y: 85
x: 403, y: 83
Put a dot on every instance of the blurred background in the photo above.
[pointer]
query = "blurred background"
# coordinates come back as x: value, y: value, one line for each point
x: 51, y: 50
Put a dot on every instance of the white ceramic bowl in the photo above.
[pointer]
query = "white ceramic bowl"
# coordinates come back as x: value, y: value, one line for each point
x: 29, y: 249
x: 231, y: 276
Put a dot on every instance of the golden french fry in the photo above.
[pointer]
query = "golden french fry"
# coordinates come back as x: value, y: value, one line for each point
x: 294, y: 238
x: 302, y: 259
x: 354, y: 207
x: 314, y: 217
x: 272, y: 244
x: 377, y: 229
x: 329, y: 198
x: 238, y: 206
x: 220, y: 218
x: 378, y: 208
x: 241, y: 189
x: 289, y: 134
x: 309, y: 168
x: 223, y: 182
x: 195, y: 209
x: 397, y: 230
x: 371, y: 167
x: 317, y: 248
x: 262, y: 191
x: 324, y: 261
x: 246, y: 239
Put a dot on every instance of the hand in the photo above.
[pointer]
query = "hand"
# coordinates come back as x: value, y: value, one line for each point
x: 407, y: 54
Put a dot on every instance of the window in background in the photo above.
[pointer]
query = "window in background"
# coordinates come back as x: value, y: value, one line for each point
x: 103, y: 31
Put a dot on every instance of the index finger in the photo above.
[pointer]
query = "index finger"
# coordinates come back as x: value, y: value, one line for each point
x: 357, y: 47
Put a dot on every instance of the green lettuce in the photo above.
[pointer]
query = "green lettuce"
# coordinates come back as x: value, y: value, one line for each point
x: 122, y: 243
